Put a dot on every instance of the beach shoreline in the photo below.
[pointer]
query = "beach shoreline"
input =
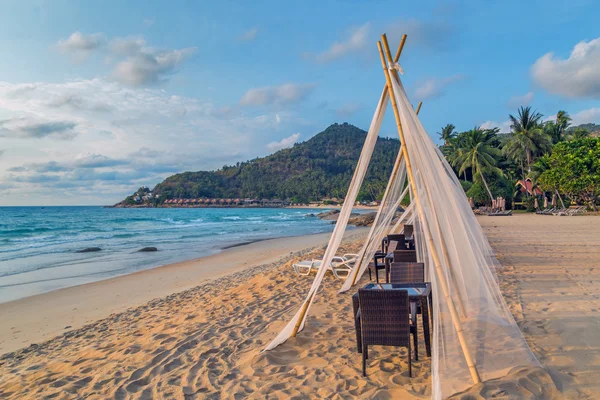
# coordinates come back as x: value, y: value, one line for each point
x: 207, y: 341
x: 40, y: 317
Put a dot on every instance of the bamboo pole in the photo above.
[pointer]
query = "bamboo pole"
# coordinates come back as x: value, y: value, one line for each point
x: 461, y: 305
x: 394, y: 169
x: 419, y: 107
x: 436, y: 261
x: 302, y: 313
x: 304, y: 308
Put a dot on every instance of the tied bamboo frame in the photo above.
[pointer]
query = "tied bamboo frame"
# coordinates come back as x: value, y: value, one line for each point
x: 436, y: 260
x: 306, y: 303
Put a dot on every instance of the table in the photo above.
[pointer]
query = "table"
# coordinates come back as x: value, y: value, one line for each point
x: 419, y: 293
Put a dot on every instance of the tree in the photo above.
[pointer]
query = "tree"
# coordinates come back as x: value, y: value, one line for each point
x: 447, y: 133
x: 574, y: 169
x: 527, y: 139
x: 557, y: 129
x: 453, y: 150
x: 479, y: 151
x: 563, y: 120
x: 578, y: 133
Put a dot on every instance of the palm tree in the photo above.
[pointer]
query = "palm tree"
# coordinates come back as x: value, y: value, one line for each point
x: 578, y: 133
x: 563, y: 120
x: 557, y: 129
x: 452, y: 150
x: 528, y: 139
x: 447, y: 133
x: 479, y: 152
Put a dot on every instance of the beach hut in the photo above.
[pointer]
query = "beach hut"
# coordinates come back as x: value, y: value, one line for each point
x: 475, y: 337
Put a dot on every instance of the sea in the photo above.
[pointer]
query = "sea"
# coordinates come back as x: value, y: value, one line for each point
x: 39, y: 245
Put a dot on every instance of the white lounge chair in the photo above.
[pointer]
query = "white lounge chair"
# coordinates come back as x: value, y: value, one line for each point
x: 343, y: 264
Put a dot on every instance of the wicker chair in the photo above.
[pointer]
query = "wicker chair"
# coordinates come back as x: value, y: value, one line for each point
x: 405, y: 256
x: 377, y: 265
x: 384, y: 320
x: 393, y: 242
x: 403, y: 272
x: 400, y: 256
x: 408, y: 231
x: 407, y: 272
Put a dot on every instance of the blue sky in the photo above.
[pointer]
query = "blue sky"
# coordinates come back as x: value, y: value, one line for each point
x: 99, y: 98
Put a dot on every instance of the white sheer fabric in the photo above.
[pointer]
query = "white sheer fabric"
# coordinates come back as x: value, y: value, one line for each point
x: 466, y: 268
x: 445, y: 226
x: 340, y: 226
x: 381, y: 226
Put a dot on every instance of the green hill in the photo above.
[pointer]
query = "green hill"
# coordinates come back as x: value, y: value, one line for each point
x: 318, y: 168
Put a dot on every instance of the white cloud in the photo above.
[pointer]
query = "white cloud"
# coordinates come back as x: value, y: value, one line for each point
x: 137, y: 63
x: 282, y: 94
x: 504, y: 126
x: 127, y: 46
x: 250, y: 34
x: 142, y: 136
x: 144, y: 65
x: 148, y: 68
x: 576, y: 76
x: 591, y: 115
x: 347, y: 109
x: 434, y: 87
x: 356, y: 41
x: 80, y: 45
x: 518, y: 101
x: 284, y: 143
x: 34, y: 128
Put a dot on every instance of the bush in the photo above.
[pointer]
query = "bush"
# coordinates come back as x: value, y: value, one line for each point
x: 499, y: 186
x: 466, y: 185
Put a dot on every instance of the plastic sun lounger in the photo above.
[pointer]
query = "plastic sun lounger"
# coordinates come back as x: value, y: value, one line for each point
x: 343, y: 264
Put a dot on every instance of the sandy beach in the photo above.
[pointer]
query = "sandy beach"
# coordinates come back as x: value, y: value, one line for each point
x: 178, y: 332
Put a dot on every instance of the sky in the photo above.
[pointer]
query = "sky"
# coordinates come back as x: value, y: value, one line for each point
x: 100, y: 98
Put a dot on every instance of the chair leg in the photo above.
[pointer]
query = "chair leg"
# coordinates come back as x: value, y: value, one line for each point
x: 370, y: 277
x: 409, y: 361
x: 416, y: 341
x: 364, y: 359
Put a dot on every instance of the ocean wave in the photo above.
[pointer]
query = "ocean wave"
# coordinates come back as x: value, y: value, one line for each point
x: 172, y: 221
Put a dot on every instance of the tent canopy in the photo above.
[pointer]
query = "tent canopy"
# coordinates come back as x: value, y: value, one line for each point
x: 475, y: 337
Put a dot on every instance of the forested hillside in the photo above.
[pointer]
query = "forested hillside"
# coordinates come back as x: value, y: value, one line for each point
x: 318, y: 168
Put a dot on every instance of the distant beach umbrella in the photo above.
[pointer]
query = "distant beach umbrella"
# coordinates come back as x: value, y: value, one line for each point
x: 471, y: 202
x: 553, y: 199
x: 545, y: 202
x: 535, y: 204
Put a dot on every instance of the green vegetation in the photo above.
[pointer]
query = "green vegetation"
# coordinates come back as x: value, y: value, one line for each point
x: 316, y: 169
x: 573, y: 168
x: 553, y: 155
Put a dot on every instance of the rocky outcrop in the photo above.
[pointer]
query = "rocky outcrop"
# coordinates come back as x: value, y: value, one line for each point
x: 148, y: 249
x: 365, y: 219
x: 89, y: 250
x: 329, y: 215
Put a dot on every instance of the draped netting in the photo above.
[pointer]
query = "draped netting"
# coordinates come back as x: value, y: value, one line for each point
x: 474, y: 334
x: 449, y: 235
x: 299, y: 319
x: 395, y: 191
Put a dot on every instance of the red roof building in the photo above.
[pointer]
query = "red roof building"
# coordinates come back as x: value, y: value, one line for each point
x: 526, y: 187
